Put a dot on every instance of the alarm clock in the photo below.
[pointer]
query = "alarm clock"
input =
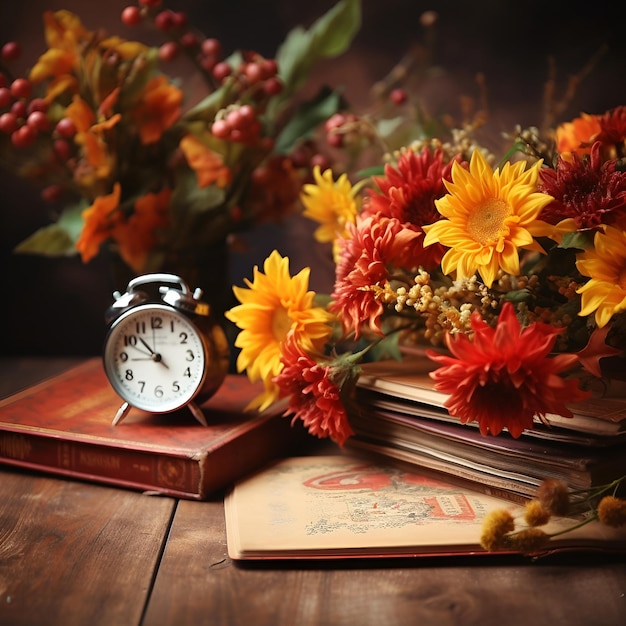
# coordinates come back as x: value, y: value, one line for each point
x: 163, y: 350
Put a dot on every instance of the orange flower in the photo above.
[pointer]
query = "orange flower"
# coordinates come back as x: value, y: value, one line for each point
x: 63, y: 31
x: 577, y: 135
x: 99, y: 161
x: 374, y: 245
x: 137, y: 236
x: 157, y: 110
x: 99, y: 222
x: 207, y: 164
x: 504, y: 377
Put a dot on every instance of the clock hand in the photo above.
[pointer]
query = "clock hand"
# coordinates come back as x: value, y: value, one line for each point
x: 150, y: 350
x: 155, y: 356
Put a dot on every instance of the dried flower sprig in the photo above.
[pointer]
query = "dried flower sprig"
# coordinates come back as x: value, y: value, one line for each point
x: 504, y: 531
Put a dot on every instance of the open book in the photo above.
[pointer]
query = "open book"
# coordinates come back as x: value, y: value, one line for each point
x: 347, y: 506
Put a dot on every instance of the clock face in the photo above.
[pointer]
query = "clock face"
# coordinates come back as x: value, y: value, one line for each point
x: 155, y: 358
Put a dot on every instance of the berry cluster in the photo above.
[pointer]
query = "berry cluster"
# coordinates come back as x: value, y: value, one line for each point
x: 255, y: 70
x: 23, y: 117
x: 254, y: 79
x: 237, y: 123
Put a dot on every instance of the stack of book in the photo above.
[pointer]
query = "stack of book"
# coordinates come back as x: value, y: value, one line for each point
x: 399, y: 414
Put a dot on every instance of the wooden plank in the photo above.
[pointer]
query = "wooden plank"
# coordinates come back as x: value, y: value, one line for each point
x: 73, y: 553
x: 198, y: 584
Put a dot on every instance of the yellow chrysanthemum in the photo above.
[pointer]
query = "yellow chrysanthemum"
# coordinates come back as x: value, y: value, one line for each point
x: 490, y: 215
x: 331, y: 204
x: 275, y: 303
x: 605, y: 264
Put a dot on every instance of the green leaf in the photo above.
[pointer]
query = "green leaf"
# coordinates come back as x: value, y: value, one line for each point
x: 306, y: 119
x: 375, y: 170
x: 580, y: 240
x: 48, y: 241
x: 386, y: 127
x: 328, y: 37
x: 57, y: 239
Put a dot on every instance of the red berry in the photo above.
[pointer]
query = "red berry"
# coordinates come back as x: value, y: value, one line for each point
x: 164, y: 20
x: 221, y: 71
x: 37, y: 104
x: 8, y: 123
x: 211, y: 47
x: 398, y: 96
x: 24, y: 137
x: 5, y: 97
x: 131, y: 16
x: 62, y: 149
x: 269, y: 67
x: 237, y: 135
x: 207, y: 63
x: 38, y: 121
x: 52, y: 193
x: 321, y: 160
x: 3, y: 80
x: 335, y: 139
x: 189, y: 40
x: 179, y: 20
x: 247, y: 115
x: 272, y: 86
x: 11, y: 51
x: 19, y: 108
x: 66, y: 127
x: 21, y: 88
x: 334, y: 121
x: 253, y: 73
x: 221, y: 129
x: 169, y: 51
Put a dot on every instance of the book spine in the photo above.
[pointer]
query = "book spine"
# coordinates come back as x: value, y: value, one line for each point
x: 159, y: 473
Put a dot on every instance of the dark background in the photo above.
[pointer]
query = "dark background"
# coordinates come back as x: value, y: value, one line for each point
x: 56, y: 306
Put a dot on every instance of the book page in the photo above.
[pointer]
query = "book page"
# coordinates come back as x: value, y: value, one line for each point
x: 334, y: 506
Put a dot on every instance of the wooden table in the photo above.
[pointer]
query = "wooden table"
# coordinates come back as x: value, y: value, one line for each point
x: 73, y: 553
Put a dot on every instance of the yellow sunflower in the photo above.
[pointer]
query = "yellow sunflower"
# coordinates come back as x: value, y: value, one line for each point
x: 273, y: 304
x: 490, y: 215
x: 331, y: 204
x: 605, y: 264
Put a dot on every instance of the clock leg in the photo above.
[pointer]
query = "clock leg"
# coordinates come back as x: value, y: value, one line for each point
x: 197, y: 413
x: 122, y: 412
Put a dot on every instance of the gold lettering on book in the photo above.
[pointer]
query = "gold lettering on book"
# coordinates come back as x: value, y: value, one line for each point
x: 98, y: 459
x: 14, y: 446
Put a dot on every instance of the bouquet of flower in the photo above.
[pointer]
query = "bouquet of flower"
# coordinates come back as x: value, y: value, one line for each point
x: 508, y: 274
x: 130, y: 159
x: 512, y: 275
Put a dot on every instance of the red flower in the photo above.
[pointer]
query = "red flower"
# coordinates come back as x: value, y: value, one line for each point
x: 313, y: 396
x: 504, y: 378
x: 375, y: 243
x: 612, y: 126
x: 586, y: 189
x: 408, y: 193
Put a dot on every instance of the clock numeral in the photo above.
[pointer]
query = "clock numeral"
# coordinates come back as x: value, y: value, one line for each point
x: 187, y: 373
x: 123, y: 357
x: 141, y: 328
x: 183, y: 337
x: 130, y: 340
x: 158, y: 391
x: 190, y: 356
x: 156, y: 323
x: 175, y: 386
x: 128, y: 374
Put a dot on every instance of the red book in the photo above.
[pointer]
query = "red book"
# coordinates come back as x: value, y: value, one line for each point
x: 64, y: 426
